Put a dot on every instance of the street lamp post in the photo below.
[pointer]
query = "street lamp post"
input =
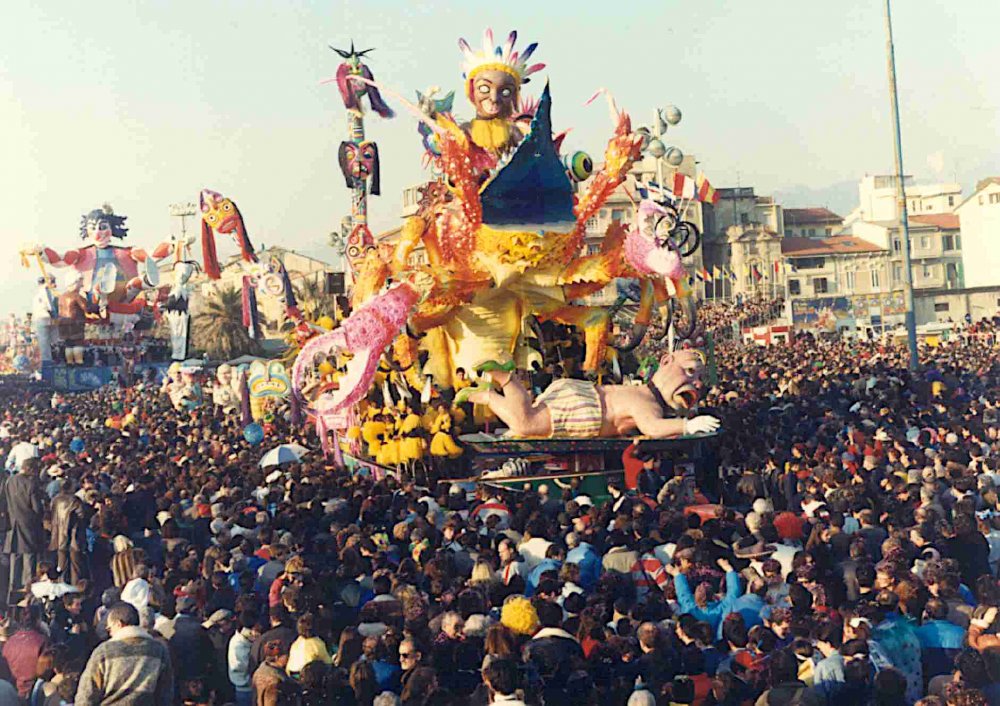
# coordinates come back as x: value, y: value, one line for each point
x: 901, y: 211
x: 183, y: 211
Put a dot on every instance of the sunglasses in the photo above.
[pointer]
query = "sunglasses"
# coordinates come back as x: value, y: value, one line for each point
x: 407, y: 655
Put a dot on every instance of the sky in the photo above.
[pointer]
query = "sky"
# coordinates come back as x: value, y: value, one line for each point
x: 142, y: 103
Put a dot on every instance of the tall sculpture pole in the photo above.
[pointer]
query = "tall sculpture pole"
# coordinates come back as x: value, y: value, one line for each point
x: 358, y: 157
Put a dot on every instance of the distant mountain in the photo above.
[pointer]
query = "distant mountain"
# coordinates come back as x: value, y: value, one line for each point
x: 841, y: 198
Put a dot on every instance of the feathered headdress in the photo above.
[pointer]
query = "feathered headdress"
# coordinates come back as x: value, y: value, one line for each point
x: 502, y: 57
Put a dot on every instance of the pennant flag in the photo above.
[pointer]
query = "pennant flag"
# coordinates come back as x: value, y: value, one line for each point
x: 756, y: 274
x: 707, y: 274
x: 716, y: 272
x: 700, y: 275
x: 705, y: 191
x: 684, y: 187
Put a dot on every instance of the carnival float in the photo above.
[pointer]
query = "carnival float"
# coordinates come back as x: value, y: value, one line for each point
x: 501, y: 229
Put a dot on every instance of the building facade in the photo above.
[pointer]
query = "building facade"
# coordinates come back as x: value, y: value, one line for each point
x: 979, y: 217
x: 877, y: 198
x: 935, y: 249
x: 811, y: 223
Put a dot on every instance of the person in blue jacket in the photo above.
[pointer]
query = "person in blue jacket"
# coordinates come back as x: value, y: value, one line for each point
x: 583, y: 555
x: 706, y: 609
x: 940, y: 640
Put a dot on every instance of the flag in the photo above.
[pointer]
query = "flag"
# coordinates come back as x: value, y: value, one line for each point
x: 716, y: 272
x: 705, y: 191
x: 777, y: 267
x: 733, y: 277
x: 757, y: 276
x: 683, y: 186
x: 706, y: 274
x: 700, y: 275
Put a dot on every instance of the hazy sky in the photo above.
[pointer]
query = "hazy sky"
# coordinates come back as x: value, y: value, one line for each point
x: 142, y: 103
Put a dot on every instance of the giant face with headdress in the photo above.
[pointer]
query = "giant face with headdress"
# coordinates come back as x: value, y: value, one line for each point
x: 493, y: 79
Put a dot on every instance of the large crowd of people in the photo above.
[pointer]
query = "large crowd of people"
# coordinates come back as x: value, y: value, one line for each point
x: 845, y: 551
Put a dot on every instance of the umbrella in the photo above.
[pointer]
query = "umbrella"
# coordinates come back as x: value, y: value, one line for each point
x: 286, y: 453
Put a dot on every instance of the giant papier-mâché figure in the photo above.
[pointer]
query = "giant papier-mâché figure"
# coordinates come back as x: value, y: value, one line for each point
x: 112, y: 277
x: 503, y: 233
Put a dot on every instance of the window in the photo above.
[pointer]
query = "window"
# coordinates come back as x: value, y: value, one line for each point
x: 897, y: 272
x: 925, y: 242
x: 849, y: 281
x: 789, y: 233
x: 593, y: 248
x: 897, y: 245
x: 794, y: 287
x: 927, y: 271
x: 604, y: 213
x: 812, y: 232
x: 876, y: 280
x: 617, y: 214
x: 951, y: 200
x: 591, y: 224
x: 913, y: 206
x: 994, y: 198
x: 948, y: 242
x: 819, y: 285
x: 744, y: 219
x: 810, y: 263
x: 958, y: 242
x: 829, y: 232
x: 940, y: 306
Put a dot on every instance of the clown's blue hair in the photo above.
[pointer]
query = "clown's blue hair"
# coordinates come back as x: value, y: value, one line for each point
x: 117, y: 223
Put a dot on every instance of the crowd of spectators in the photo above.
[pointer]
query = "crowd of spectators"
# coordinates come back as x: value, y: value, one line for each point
x: 841, y: 546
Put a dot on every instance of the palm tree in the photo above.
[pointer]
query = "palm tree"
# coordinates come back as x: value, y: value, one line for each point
x: 314, y: 302
x: 219, y: 329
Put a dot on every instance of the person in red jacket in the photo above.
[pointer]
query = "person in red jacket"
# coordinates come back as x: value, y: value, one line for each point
x: 635, y: 462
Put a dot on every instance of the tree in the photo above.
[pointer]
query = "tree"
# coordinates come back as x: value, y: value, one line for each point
x: 219, y: 329
x: 314, y: 302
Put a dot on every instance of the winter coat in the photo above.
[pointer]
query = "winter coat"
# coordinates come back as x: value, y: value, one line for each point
x: 25, y: 508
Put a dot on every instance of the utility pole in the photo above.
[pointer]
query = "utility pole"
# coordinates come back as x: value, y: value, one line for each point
x: 183, y: 211
x: 901, y: 211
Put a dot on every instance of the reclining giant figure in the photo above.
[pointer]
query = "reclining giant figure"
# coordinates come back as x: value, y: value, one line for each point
x: 581, y: 409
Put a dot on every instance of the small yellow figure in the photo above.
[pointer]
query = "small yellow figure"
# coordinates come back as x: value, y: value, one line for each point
x: 442, y: 443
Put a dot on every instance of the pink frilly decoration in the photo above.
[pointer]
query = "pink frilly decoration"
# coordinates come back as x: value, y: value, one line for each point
x: 365, y: 334
x: 642, y: 252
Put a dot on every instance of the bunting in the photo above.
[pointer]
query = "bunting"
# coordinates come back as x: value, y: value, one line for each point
x: 706, y: 192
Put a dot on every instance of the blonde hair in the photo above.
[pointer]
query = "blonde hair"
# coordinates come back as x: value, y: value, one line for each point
x: 482, y: 573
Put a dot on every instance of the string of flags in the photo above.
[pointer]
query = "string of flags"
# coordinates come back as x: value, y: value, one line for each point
x: 697, y: 189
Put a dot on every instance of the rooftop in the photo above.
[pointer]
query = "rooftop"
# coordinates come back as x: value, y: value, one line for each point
x: 837, y: 245
x: 945, y: 221
x: 799, y: 216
